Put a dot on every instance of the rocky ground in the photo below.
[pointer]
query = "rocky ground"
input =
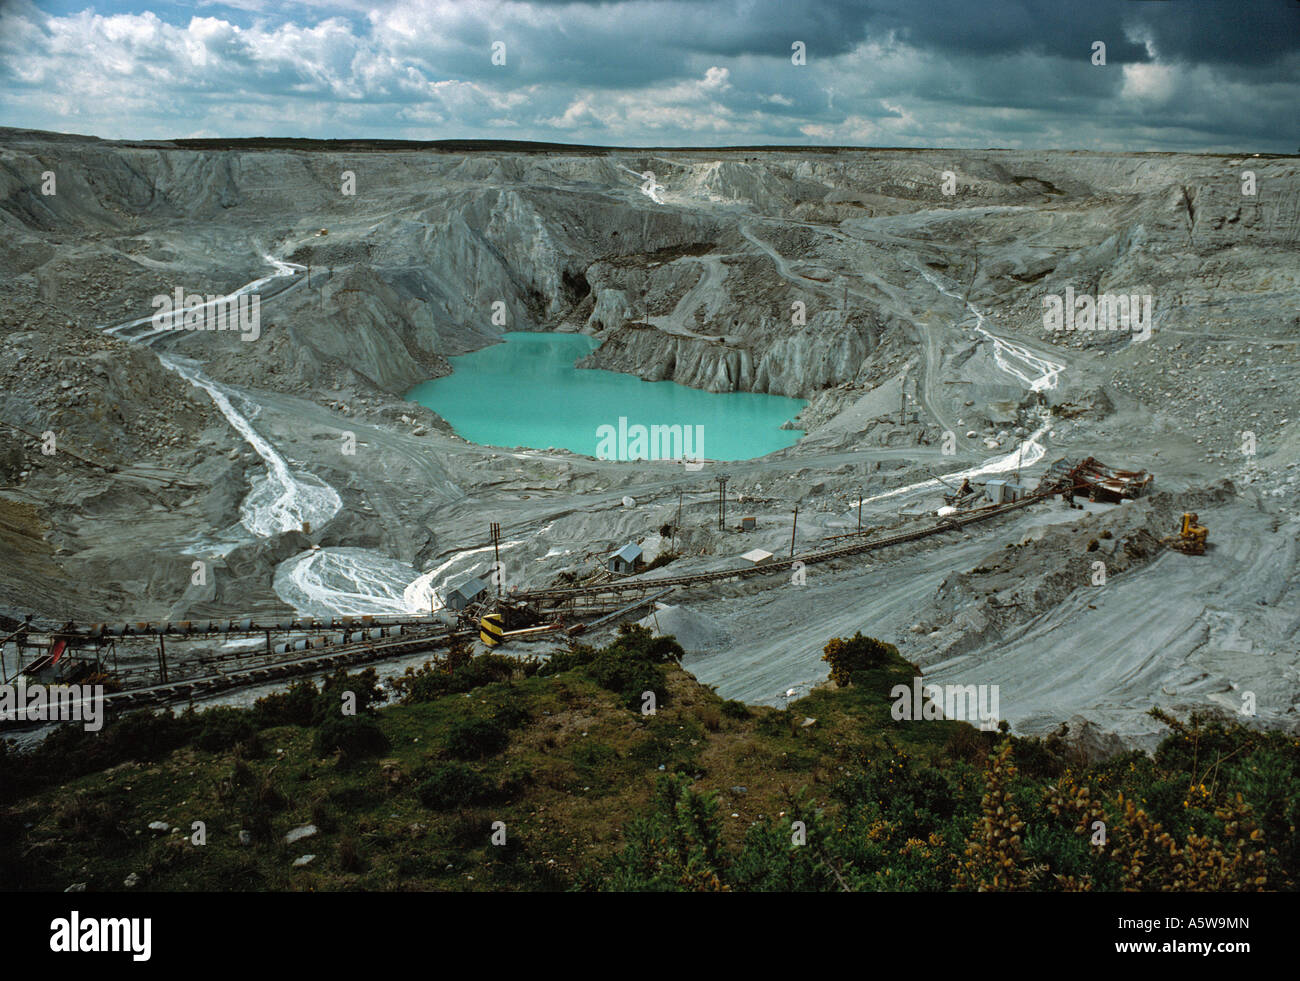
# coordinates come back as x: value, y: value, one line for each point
x: 845, y: 277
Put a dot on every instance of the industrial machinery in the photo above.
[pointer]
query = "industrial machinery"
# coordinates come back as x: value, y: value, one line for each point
x: 1097, y: 480
x: 1191, y: 536
x: 963, y: 497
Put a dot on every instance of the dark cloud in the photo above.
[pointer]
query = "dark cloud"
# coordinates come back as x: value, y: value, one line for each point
x: 1229, y: 32
x: 884, y: 72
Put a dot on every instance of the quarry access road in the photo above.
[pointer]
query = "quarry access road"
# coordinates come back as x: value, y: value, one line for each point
x: 877, y: 594
x: 710, y: 282
x: 892, y: 292
x: 1180, y: 630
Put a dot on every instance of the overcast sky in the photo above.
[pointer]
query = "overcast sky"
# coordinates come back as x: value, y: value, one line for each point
x: 1179, y: 74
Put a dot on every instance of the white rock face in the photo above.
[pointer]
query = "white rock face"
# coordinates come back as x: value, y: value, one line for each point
x: 827, y: 275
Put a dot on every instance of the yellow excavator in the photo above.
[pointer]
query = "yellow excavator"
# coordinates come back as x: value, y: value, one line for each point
x: 1191, y: 536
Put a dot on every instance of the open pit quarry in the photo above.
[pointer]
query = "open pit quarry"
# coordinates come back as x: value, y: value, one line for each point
x: 281, y: 471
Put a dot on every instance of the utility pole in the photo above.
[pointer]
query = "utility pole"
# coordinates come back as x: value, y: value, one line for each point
x: 496, y: 554
x: 794, y: 526
x: 859, y: 510
x: 722, y: 479
x: 677, y: 524
x: 902, y: 400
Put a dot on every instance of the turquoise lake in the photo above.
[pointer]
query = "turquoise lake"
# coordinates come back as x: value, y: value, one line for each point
x: 527, y: 392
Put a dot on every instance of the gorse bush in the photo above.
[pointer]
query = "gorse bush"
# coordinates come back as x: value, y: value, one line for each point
x: 858, y: 653
x: 629, y: 678
x: 295, y: 706
x: 639, y: 643
x: 454, y: 674
x: 452, y: 785
x: 676, y: 845
x: 634, y: 642
x: 1214, y: 809
x: 353, y: 737
x: 70, y: 751
x: 224, y: 727
x: 475, y: 739
x: 630, y: 666
x: 303, y: 704
x: 511, y: 716
x: 771, y: 861
x: 733, y: 709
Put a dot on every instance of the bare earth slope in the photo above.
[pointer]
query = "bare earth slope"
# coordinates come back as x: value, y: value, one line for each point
x: 826, y: 274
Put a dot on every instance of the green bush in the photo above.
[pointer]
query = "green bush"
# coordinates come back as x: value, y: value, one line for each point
x: 146, y: 736
x: 576, y: 656
x: 352, y: 736
x: 629, y: 677
x: 294, y: 707
x: 858, y: 653
x: 675, y: 845
x: 484, y: 670
x: 452, y: 785
x: 733, y: 709
x: 303, y: 704
x: 364, y: 686
x: 637, y: 642
x: 511, y: 716
x: 475, y: 739
x: 630, y: 666
x: 916, y: 799
x: 434, y: 680
x: 224, y: 727
x: 769, y: 861
x: 70, y: 751
x: 633, y: 643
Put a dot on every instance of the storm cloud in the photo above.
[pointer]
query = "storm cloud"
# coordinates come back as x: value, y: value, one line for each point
x: 1178, y: 75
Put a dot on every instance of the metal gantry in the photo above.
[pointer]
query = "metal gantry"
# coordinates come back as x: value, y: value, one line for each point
x: 341, y: 641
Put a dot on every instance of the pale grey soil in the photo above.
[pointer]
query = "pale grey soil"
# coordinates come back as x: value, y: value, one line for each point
x: 696, y: 287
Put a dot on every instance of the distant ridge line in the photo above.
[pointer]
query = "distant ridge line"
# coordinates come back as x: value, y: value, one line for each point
x: 356, y: 145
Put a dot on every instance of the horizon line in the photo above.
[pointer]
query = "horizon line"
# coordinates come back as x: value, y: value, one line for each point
x: 483, y: 144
